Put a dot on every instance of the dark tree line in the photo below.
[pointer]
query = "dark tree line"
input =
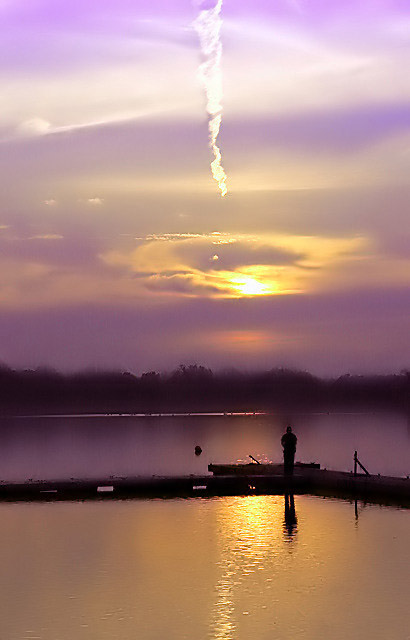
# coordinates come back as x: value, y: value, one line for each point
x: 196, y: 388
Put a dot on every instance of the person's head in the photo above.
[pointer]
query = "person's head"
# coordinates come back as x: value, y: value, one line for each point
x: 288, y: 429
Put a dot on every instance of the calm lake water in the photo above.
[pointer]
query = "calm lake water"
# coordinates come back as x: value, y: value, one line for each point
x: 219, y: 569
x: 65, y: 447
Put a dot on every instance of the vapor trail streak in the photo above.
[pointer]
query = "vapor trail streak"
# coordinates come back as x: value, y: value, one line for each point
x: 208, y: 27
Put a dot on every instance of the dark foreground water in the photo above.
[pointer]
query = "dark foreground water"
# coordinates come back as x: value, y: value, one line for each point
x: 224, y: 568
x: 51, y: 447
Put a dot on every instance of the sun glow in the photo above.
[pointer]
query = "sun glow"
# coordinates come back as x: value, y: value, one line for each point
x: 250, y: 287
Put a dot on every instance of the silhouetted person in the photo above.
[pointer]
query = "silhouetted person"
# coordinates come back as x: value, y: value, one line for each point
x: 290, y: 514
x: 288, y: 441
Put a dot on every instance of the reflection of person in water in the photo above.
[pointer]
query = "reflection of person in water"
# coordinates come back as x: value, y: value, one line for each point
x: 290, y: 515
x: 288, y: 441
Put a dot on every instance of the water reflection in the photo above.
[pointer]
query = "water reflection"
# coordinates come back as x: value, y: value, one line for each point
x: 358, y: 508
x: 223, y: 625
x: 290, y: 520
x: 251, y: 538
x: 208, y: 569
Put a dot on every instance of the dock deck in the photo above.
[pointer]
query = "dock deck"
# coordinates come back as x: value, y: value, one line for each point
x: 319, y: 482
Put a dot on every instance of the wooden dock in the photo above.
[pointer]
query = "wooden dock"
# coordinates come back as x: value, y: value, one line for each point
x: 319, y: 482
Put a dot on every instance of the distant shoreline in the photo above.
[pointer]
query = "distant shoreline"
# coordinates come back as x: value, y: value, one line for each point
x: 191, y: 414
x: 194, y: 390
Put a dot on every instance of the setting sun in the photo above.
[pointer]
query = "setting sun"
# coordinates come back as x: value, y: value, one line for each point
x: 251, y: 287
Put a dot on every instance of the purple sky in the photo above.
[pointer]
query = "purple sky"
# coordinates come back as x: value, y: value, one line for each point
x: 116, y: 248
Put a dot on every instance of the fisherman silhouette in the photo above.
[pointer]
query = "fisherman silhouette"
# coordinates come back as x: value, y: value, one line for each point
x: 288, y: 442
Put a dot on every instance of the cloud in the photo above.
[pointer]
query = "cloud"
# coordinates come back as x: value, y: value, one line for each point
x: 234, y: 253
x: 176, y: 266
x: 47, y: 236
x: 315, y: 150
x: 245, y: 265
x: 51, y: 250
x: 35, y: 127
x: 40, y: 127
x: 186, y: 285
x: 325, y: 131
x: 92, y: 202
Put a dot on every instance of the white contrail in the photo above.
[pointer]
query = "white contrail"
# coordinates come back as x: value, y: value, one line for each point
x: 208, y: 27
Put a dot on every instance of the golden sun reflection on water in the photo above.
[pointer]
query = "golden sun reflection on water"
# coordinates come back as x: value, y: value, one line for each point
x: 250, y: 532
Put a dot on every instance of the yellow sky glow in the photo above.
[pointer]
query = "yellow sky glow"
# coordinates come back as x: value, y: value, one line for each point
x: 247, y: 265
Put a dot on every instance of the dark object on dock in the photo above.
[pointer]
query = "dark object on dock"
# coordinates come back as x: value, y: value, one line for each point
x: 260, y: 469
x: 198, y: 450
x: 254, y: 459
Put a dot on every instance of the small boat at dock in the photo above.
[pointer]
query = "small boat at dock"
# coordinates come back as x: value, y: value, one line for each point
x: 257, y: 468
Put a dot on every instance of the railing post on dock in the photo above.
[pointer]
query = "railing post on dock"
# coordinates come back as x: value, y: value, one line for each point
x: 357, y: 462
